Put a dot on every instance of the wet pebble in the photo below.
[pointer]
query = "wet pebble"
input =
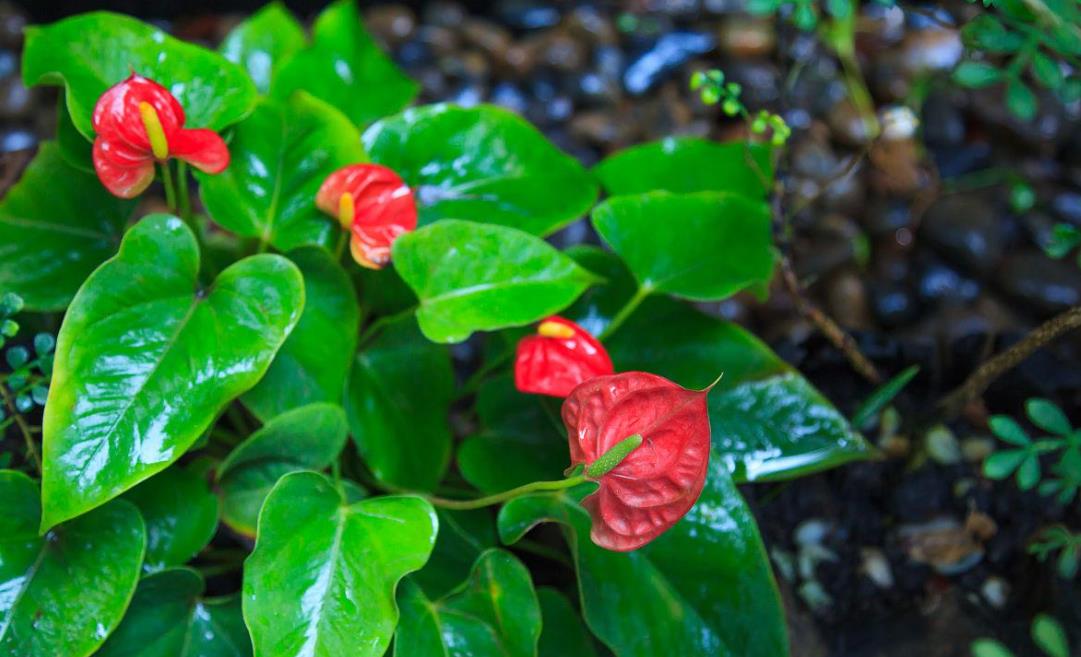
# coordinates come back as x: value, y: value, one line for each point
x: 938, y: 283
x: 849, y: 125
x: 16, y: 101
x: 669, y: 53
x: 846, y: 298
x: 13, y: 21
x: 965, y: 227
x: 1046, y: 285
x: 527, y: 14
x: 392, y: 24
x: 491, y: 39
x: 747, y: 36
x: 932, y: 49
x: 893, y: 303
x: 17, y: 139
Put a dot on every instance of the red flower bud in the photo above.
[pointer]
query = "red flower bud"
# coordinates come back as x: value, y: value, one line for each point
x: 374, y: 204
x: 557, y: 358
x: 658, y: 482
x: 137, y: 123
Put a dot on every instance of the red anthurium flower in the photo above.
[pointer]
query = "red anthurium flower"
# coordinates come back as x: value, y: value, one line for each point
x: 137, y: 123
x: 374, y: 204
x: 557, y: 358
x: 658, y: 482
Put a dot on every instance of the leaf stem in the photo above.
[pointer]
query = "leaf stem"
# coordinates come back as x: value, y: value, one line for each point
x: 525, y: 489
x: 170, y: 186
x: 182, y: 192
x: 339, y: 248
x: 625, y: 312
x: 381, y: 322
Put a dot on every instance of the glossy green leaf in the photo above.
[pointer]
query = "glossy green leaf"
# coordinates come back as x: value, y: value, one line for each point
x: 688, y: 164
x: 398, y: 398
x: 64, y: 592
x: 704, y: 588
x: 321, y: 580
x: 1020, y: 99
x: 483, y: 164
x: 91, y: 52
x: 521, y: 439
x: 976, y: 75
x: 1008, y: 430
x: 1048, y: 416
x: 704, y: 246
x: 475, y: 277
x: 281, y: 154
x: 264, y: 42
x: 1048, y: 634
x: 146, y: 359
x: 345, y: 67
x: 305, y: 438
x: 313, y: 364
x: 494, y: 613
x: 56, y: 225
x: 169, y: 617
x: 180, y: 512
x: 990, y: 648
x: 767, y: 421
x: 562, y: 633
x: 463, y: 535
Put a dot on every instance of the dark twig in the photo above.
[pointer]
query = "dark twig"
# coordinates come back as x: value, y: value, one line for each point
x: 24, y: 427
x: 985, y: 374
x: 825, y: 324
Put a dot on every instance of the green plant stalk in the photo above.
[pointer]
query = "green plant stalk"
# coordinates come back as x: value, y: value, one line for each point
x: 170, y: 186
x: 183, y: 194
x: 525, y: 489
x: 380, y: 323
x: 600, y: 467
x: 625, y: 312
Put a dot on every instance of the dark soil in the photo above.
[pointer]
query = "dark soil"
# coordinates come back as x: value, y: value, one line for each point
x: 917, y: 252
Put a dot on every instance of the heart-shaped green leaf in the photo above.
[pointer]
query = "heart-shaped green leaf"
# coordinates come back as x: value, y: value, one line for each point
x: 345, y: 67
x: 313, y: 364
x: 704, y: 246
x: 169, y: 617
x: 180, y: 512
x: 688, y: 164
x: 309, y: 437
x: 263, y: 43
x: 321, y: 580
x: 281, y: 154
x: 562, y: 633
x: 484, y: 164
x: 64, y: 592
x: 521, y: 439
x: 767, y: 421
x: 652, y: 601
x: 146, y: 359
x: 476, y: 277
x: 494, y: 613
x: 89, y: 53
x: 398, y: 398
x: 56, y: 225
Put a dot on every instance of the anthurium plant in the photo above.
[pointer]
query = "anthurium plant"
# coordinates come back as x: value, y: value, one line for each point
x: 258, y: 436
